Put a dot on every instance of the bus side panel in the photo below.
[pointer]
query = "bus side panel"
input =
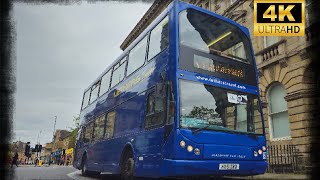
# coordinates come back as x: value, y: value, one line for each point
x: 129, y: 118
x: 149, y: 152
x: 129, y: 124
x: 130, y: 107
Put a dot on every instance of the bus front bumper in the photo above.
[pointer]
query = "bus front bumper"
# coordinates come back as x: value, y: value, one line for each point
x: 210, y: 167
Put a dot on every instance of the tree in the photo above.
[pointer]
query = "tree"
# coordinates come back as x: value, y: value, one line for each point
x: 202, y: 112
x: 206, y: 114
x: 76, y: 121
x: 73, y: 138
x: 74, y: 131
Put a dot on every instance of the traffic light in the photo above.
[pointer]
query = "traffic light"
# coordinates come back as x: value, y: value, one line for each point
x: 27, y: 149
x: 38, y: 147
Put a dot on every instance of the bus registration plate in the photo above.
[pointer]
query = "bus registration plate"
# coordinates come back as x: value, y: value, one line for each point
x: 228, y: 166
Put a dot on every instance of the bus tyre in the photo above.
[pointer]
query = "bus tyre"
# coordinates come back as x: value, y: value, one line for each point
x: 127, y: 167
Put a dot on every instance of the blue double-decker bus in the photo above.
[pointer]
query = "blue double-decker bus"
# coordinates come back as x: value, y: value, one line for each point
x: 181, y: 100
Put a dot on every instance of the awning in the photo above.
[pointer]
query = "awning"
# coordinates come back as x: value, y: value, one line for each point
x: 57, y: 153
x: 69, y: 151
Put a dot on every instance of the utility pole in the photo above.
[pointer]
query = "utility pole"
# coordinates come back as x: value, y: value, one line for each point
x: 38, y: 143
x: 54, y: 126
x: 54, y: 129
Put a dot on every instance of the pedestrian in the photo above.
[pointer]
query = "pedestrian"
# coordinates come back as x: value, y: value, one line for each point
x: 36, y: 160
x: 14, y: 159
x: 68, y: 160
x: 62, y: 160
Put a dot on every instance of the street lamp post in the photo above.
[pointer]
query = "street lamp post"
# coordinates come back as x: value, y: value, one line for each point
x: 54, y: 128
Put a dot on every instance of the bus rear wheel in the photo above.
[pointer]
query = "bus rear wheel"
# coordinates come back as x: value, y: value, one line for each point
x: 127, y: 167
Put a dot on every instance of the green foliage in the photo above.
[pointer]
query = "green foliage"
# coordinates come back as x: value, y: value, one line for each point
x: 72, y: 138
x: 74, y: 131
x: 201, y: 112
x: 76, y: 121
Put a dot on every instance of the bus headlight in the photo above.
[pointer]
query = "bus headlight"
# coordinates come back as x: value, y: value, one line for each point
x: 255, y: 153
x: 182, y: 144
x: 264, y: 148
x: 197, y: 151
x: 190, y: 148
x: 260, y: 151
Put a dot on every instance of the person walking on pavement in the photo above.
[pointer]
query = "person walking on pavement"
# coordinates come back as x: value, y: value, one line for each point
x: 36, y: 160
x: 68, y: 160
x: 14, y: 159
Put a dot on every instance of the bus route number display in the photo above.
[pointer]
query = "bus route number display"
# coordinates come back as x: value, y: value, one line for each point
x: 212, y: 66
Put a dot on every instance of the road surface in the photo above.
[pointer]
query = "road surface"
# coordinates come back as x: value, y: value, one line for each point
x: 55, y: 172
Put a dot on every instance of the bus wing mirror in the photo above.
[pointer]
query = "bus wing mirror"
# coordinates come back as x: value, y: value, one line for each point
x: 159, y: 104
x: 161, y: 89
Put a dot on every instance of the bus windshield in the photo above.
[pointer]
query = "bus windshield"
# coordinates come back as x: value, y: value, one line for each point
x: 219, y: 109
x: 212, y: 35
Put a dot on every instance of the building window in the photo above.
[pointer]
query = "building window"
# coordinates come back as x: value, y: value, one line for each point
x: 206, y: 5
x: 238, y: 51
x: 232, y: 1
x: 241, y: 117
x: 278, y: 112
x: 270, y: 40
x: 308, y: 15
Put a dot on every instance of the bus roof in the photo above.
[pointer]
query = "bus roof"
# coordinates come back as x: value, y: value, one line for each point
x: 155, y: 22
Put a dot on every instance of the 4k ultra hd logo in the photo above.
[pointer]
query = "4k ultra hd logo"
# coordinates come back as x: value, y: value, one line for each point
x: 279, y: 18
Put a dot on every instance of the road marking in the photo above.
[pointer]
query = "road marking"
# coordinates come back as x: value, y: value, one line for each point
x: 77, y: 175
x: 73, y: 175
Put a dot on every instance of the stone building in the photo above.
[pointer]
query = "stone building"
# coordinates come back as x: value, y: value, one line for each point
x: 286, y: 79
x: 59, y: 144
x: 19, y: 147
x: 46, y: 152
x: 60, y: 140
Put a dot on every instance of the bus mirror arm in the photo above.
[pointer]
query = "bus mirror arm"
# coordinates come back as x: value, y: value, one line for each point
x: 258, y: 107
x: 167, y: 130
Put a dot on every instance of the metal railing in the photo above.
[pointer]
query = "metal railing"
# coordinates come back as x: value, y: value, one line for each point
x: 282, y: 159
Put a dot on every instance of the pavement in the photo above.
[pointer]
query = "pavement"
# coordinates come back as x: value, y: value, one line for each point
x: 282, y: 176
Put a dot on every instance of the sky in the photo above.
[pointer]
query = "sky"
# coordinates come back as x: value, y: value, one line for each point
x: 59, y: 51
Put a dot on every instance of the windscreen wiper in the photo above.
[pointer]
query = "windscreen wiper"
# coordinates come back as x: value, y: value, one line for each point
x: 200, y: 129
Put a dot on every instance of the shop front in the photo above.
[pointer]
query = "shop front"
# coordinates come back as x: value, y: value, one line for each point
x: 69, y: 156
x: 56, y: 156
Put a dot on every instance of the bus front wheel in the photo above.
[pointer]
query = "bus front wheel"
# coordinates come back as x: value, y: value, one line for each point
x: 127, y: 167
x: 84, y: 168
